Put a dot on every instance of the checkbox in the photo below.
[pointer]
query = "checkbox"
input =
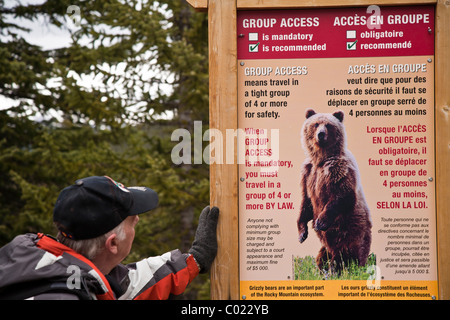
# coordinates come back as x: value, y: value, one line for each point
x: 253, y: 36
x: 253, y: 47
x: 351, y: 45
x: 351, y: 34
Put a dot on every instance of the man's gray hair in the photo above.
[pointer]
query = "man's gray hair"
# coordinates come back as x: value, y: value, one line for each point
x: 90, y: 248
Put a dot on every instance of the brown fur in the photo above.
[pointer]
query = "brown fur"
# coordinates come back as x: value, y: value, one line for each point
x: 332, y: 195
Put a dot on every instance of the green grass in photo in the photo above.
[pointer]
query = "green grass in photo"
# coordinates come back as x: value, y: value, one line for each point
x: 305, y: 268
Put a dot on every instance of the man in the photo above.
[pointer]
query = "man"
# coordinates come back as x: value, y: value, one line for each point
x: 96, y: 218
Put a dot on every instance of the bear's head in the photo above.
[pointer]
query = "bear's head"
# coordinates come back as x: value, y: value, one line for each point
x: 323, y: 133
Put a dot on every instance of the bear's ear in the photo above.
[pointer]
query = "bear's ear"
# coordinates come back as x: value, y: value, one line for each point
x: 339, y: 115
x: 309, y: 113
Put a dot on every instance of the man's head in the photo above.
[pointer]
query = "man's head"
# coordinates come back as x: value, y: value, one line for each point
x: 96, y: 217
x: 95, y: 205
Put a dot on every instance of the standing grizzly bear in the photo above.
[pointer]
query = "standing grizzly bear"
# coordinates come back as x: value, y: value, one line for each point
x: 332, y: 195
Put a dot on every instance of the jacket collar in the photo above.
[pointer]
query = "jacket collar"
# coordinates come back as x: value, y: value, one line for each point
x: 58, y: 249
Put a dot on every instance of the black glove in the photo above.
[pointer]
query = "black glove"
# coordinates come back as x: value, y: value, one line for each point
x: 204, y: 247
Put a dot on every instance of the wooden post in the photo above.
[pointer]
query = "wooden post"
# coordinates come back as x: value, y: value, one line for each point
x: 199, y: 5
x: 223, y: 116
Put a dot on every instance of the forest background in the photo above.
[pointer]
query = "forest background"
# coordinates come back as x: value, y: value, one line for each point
x: 103, y: 102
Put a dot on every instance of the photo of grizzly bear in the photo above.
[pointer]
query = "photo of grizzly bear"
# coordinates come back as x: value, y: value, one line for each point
x: 332, y: 195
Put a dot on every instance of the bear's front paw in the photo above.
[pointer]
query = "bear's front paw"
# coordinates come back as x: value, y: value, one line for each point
x: 302, y: 233
x: 322, y: 224
x: 302, y: 236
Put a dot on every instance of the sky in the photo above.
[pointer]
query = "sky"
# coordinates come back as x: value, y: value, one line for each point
x: 49, y: 37
x: 42, y: 33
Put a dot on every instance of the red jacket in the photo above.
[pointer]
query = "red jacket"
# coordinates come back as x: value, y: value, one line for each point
x: 39, y: 267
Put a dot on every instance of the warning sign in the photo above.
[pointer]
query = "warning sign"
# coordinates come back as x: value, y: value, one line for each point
x: 337, y: 180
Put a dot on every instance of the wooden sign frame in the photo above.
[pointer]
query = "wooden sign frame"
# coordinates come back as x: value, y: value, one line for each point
x: 223, y: 86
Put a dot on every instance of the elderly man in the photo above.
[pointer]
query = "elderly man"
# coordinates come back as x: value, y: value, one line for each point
x: 96, y: 218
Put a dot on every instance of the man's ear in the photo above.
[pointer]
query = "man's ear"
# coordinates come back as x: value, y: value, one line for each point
x: 111, y: 244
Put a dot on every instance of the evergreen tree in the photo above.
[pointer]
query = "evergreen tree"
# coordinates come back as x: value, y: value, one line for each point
x: 147, y: 65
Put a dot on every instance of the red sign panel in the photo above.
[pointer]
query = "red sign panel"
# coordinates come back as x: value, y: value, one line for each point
x: 333, y: 33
